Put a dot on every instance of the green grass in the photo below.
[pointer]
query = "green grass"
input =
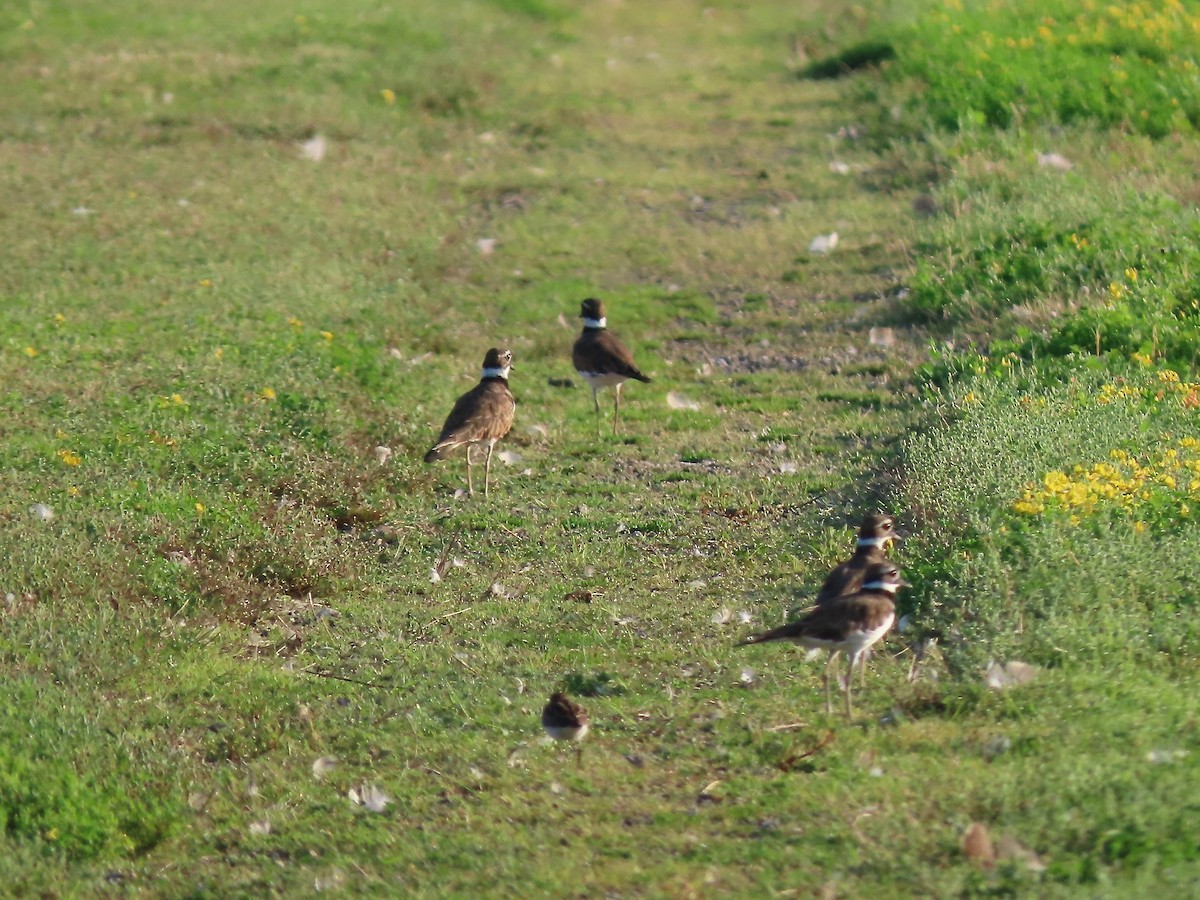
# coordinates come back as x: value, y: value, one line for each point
x: 204, y: 336
x: 1127, y: 65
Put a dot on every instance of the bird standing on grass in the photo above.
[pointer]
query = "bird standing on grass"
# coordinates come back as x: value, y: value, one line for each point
x: 482, y: 415
x: 564, y: 720
x: 876, y: 533
x: 850, y: 624
x: 602, y: 359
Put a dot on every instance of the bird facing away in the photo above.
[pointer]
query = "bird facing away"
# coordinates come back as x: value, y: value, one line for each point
x: 482, y: 415
x: 565, y: 721
x: 601, y: 358
x: 876, y: 533
x: 850, y: 624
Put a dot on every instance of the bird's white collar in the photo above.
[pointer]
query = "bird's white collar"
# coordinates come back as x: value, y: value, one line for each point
x: 602, y: 322
x: 881, y: 586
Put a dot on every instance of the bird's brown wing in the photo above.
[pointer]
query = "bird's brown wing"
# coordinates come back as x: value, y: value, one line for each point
x: 602, y: 353
x: 847, y: 577
x: 560, y: 712
x: 483, y: 413
x: 833, y: 621
x: 844, y: 578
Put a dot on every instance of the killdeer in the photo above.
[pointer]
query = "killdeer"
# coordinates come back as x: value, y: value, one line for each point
x: 876, y: 533
x: 482, y: 415
x: 850, y: 624
x: 602, y: 359
x: 564, y: 720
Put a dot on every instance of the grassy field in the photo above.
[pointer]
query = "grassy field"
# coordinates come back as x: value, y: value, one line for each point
x: 229, y: 633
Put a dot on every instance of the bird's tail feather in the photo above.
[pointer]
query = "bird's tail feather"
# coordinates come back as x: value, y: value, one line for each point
x: 757, y: 638
x: 439, y: 451
x: 788, y: 632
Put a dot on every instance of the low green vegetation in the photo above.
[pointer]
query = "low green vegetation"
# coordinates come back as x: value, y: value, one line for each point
x: 1116, y: 277
x: 1128, y: 65
x: 252, y: 646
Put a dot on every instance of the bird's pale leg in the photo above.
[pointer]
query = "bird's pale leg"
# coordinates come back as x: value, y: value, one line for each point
x: 616, y: 408
x: 828, y: 692
x: 596, y: 402
x: 862, y: 667
x: 487, y: 468
x: 849, y: 685
x: 470, y: 487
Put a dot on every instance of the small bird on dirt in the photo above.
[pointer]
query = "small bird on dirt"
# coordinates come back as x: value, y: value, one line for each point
x: 482, y: 415
x: 564, y: 720
x: 601, y: 358
x: 850, y: 624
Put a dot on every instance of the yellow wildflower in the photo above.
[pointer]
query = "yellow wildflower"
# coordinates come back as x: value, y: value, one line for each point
x: 1056, y: 481
x: 70, y: 457
x: 328, y: 335
x: 388, y: 95
x: 30, y: 352
x: 267, y: 393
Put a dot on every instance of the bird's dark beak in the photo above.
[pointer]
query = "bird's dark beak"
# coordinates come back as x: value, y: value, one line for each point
x: 899, y: 538
x: 903, y: 583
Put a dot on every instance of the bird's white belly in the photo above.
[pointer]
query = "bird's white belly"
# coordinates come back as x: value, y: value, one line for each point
x: 853, y: 643
x: 603, y: 379
x: 861, y: 640
x: 567, y: 732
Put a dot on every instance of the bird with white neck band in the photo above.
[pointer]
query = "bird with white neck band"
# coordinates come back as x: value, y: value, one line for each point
x: 874, y: 537
x: 849, y: 624
x: 482, y: 415
x: 601, y: 358
x: 876, y: 534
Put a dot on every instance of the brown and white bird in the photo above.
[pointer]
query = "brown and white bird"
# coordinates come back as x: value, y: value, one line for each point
x: 564, y: 720
x: 850, y: 624
x: 876, y: 533
x: 482, y: 415
x: 601, y: 358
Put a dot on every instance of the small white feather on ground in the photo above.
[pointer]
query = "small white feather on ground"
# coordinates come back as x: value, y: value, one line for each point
x: 675, y: 400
